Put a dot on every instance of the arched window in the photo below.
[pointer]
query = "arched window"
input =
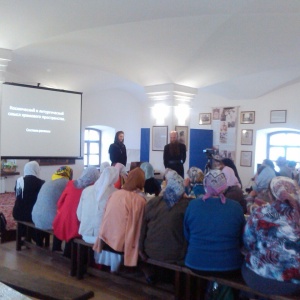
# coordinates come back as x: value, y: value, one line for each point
x: 92, y: 147
x: 284, y: 143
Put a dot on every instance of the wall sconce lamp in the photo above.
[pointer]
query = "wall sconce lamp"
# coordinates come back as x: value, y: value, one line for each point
x: 160, y: 111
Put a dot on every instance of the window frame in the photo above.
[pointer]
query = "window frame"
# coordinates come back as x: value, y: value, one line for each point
x: 269, y: 136
x: 88, y: 142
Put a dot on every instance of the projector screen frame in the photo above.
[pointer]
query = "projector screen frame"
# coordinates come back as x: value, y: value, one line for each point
x: 43, y: 157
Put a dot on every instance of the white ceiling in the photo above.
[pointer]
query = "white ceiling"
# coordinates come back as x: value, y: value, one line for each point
x: 239, y: 49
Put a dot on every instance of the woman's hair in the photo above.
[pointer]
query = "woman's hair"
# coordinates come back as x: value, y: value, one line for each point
x: 117, y: 136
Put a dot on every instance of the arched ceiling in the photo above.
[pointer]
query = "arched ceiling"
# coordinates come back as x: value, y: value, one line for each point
x: 238, y: 49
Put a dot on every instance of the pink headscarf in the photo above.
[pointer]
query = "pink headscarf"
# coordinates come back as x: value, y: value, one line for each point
x: 215, y: 184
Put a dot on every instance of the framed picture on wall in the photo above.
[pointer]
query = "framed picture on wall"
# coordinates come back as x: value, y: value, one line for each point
x: 159, y: 137
x: 183, y: 134
x: 205, y: 119
x: 247, y: 137
x: 247, y: 117
x: 246, y: 158
x: 278, y: 116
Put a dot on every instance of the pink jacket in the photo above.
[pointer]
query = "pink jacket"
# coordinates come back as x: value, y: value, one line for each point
x: 121, y: 224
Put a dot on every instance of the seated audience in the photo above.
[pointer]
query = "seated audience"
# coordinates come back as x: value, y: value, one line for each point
x: 44, y: 210
x: 260, y: 187
x: 66, y: 223
x: 122, y: 175
x: 284, y: 170
x: 122, y: 220
x: 194, y: 183
x: 92, y: 204
x: 292, y: 167
x: 213, y: 227
x: 27, y: 188
x: 162, y: 228
x: 152, y: 186
x: 271, y: 240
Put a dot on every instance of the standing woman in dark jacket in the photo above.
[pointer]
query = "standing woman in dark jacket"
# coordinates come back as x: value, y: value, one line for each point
x: 117, y: 150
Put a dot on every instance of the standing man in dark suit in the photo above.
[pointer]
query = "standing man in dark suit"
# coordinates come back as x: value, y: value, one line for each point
x: 117, y: 150
x: 175, y: 154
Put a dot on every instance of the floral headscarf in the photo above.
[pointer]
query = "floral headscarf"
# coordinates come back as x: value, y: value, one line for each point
x: 31, y: 168
x: 104, y: 186
x: 286, y: 189
x: 195, y: 175
x: 174, y: 188
x: 135, y: 180
x: 148, y: 169
x: 88, y: 177
x: 63, y: 172
x: 215, y: 184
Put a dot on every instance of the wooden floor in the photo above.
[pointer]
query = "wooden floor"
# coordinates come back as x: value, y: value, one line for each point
x: 107, y: 287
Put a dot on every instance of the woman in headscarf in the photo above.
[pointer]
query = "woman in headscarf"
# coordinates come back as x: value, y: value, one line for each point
x: 162, y: 228
x: 27, y: 189
x: 152, y: 186
x: 66, y: 224
x: 103, y: 166
x: 117, y: 150
x: 44, y: 210
x: 234, y: 190
x: 122, y: 175
x: 260, y: 188
x: 92, y: 203
x: 271, y: 240
x: 213, y: 227
x: 121, y: 223
x: 194, y: 183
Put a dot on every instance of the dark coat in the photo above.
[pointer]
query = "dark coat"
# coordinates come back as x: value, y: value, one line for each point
x: 175, y: 162
x: 117, y: 153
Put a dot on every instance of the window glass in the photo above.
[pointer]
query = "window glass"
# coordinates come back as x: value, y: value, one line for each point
x: 293, y: 153
x: 286, y: 144
x: 277, y: 139
x: 94, y: 148
x: 293, y: 139
x: 275, y: 152
x: 94, y: 160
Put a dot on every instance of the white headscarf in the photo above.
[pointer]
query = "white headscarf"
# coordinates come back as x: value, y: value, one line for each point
x: 31, y: 168
x: 148, y: 169
x: 104, y: 186
x: 103, y: 166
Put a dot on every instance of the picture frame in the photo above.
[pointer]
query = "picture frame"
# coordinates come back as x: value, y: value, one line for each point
x: 183, y: 134
x: 204, y: 118
x: 246, y: 159
x: 159, y: 137
x: 247, y: 117
x: 247, y: 137
x: 278, y: 116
